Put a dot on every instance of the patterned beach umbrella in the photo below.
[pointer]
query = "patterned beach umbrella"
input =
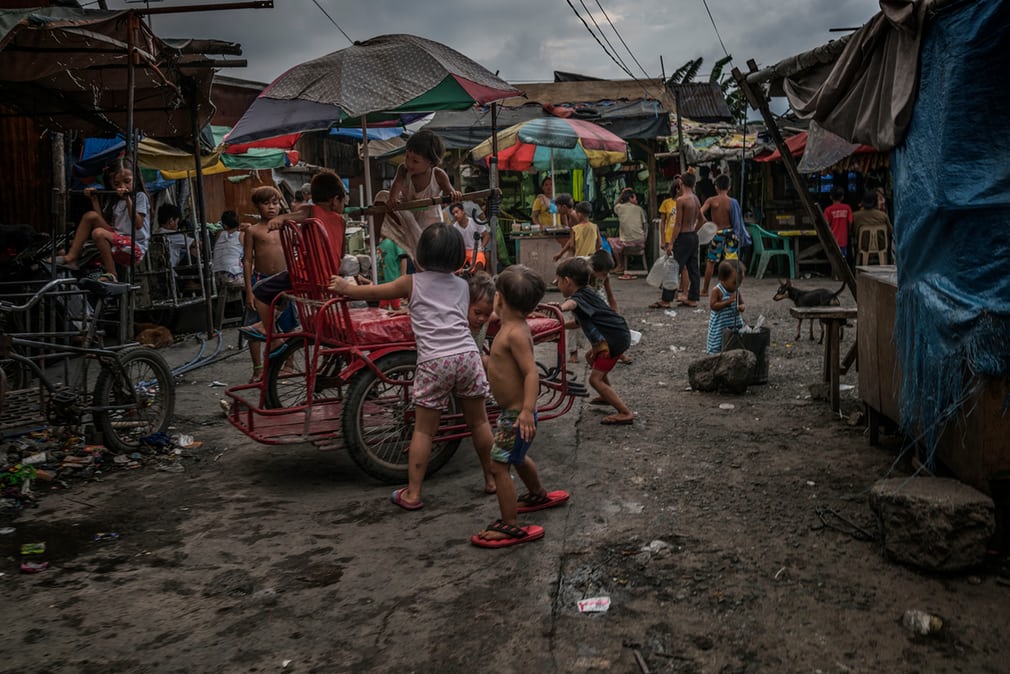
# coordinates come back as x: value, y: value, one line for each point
x: 548, y: 143
x: 389, y: 79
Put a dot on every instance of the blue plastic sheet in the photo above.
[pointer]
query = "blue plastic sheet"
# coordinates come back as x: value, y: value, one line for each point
x: 952, y: 218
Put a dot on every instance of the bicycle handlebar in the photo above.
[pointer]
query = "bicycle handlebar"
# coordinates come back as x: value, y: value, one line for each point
x: 7, y: 306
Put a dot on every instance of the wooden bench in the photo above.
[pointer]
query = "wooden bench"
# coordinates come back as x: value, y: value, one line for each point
x: 833, y: 319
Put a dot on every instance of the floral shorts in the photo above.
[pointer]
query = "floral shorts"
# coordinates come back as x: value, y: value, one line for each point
x: 461, y: 374
x: 509, y: 447
x: 121, y: 249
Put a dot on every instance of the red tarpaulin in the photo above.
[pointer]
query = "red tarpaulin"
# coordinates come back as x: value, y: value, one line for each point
x: 798, y: 143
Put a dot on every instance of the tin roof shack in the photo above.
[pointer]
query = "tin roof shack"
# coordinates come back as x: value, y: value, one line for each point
x: 927, y: 81
x: 66, y: 69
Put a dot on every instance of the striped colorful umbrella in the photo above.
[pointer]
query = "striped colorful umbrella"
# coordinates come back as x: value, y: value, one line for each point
x: 548, y: 143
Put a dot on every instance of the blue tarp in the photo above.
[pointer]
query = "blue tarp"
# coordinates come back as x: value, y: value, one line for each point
x: 952, y: 217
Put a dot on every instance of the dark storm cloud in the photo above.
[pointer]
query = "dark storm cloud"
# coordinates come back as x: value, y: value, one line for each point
x: 526, y: 40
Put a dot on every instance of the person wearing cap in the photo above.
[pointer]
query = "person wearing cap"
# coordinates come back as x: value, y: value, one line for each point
x: 585, y: 238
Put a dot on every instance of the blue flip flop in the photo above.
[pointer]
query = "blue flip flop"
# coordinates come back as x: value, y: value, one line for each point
x: 252, y: 333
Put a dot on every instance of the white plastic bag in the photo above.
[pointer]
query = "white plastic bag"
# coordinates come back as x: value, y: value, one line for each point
x: 664, y: 273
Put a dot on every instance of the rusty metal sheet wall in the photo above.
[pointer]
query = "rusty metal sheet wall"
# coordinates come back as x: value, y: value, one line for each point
x: 25, y: 172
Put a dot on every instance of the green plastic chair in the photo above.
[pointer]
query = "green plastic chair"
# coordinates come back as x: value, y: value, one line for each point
x: 767, y: 246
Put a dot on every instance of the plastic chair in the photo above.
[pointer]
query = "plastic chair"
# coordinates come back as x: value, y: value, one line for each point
x: 768, y: 246
x: 873, y: 241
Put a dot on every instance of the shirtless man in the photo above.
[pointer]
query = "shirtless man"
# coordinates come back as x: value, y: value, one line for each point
x: 717, y: 209
x: 685, y: 238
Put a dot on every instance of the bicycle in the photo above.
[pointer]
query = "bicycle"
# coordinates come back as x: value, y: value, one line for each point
x: 133, y: 392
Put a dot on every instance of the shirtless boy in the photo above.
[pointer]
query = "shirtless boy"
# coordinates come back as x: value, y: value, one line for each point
x: 685, y: 237
x: 515, y: 384
x: 262, y: 257
x: 717, y: 209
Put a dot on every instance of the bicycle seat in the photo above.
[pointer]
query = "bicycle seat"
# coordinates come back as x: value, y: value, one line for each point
x: 103, y: 288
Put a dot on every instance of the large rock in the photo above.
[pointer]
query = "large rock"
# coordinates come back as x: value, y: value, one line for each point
x: 728, y: 372
x: 933, y: 523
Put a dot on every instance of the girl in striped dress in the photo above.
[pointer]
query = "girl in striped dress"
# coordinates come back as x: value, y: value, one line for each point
x: 726, y: 304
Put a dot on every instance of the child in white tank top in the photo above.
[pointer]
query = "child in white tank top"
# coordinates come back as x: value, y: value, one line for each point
x: 448, y: 361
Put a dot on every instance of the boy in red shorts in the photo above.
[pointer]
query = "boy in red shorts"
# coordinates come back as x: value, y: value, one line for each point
x: 605, y: 329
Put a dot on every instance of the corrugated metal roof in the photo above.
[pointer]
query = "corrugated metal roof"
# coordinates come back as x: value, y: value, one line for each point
x: 702, y: 102
x: 593, y: 91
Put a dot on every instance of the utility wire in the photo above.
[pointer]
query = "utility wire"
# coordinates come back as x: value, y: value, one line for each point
x: 612, y: 51
x: 620, y: 65
x: 616, y: 32
x: 712, y: 19
x: 326, y: 14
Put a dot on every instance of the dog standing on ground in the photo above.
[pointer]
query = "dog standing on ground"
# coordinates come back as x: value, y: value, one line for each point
x: 817, y: 297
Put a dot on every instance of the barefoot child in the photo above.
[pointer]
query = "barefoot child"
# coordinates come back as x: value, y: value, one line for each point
x: 726, y: 304
x: 127, y: 235
x: 262, y: 259
x: 601, y: 263
x: 448, y: 362
x: 605, y: 329
x: 515, y: 384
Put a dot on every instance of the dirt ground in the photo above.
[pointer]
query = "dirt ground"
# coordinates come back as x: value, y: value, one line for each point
x: 714, y: 532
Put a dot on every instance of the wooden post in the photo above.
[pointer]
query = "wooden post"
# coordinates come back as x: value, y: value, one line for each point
x: 757, y: 100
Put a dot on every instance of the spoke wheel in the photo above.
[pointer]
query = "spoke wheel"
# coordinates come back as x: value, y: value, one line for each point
x: 135, y: 399
x: 286, y: 382
x: 378, y: 420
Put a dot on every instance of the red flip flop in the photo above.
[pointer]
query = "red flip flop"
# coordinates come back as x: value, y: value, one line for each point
x: 397, y: 498
x: 531, y: 503
x: 514, y: 535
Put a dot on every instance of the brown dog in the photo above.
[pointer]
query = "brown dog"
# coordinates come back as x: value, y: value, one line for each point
x: 816, y: 297
x: 153, y: 335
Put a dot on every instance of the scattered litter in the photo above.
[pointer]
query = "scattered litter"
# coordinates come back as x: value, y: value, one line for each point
x: 811, y: 483
x: 216, y: 383
x: 170, y: 468
x: 285, y: 663
x: 656, y: 546
x: 921, y: 623
x: 845, y: 387
x: 594, y: 605
x: 671, y: 313
x: 106, y: 536
x: 727, y: 406
x: 746, y: 329
x: 636, y: 337
x: 7, y: 531
x: 33, y: 548
x: 34, y: 567
x: 674, y: 347
x: 186, y: 441
x: 779, y: 572
x: 35, y: 459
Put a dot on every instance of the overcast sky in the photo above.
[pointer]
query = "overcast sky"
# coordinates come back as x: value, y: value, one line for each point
x: 525, y: 40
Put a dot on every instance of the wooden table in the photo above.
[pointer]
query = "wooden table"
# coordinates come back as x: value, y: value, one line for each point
x: 537, y: 251
x: 805, y: 252
x: 833, y: 319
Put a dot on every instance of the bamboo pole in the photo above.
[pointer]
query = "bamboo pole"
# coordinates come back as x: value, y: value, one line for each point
x: 759, y: 102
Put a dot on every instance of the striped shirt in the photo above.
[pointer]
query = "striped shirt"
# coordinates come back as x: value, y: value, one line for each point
x: 727, y: 317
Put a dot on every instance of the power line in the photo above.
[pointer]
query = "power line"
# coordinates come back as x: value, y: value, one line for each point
x: 603, y: 35
x: 616, y: 32
x: 620, y: 64
x: 326, y: 14
x: 712, y: 19
x: 607, y: 52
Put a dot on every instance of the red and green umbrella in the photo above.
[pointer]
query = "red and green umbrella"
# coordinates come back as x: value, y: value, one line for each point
x: 389, y: 79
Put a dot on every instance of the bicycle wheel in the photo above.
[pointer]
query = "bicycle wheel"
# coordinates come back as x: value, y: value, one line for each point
x: 135, y: 399
x: 377, y: 423
x: 285, y: 376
